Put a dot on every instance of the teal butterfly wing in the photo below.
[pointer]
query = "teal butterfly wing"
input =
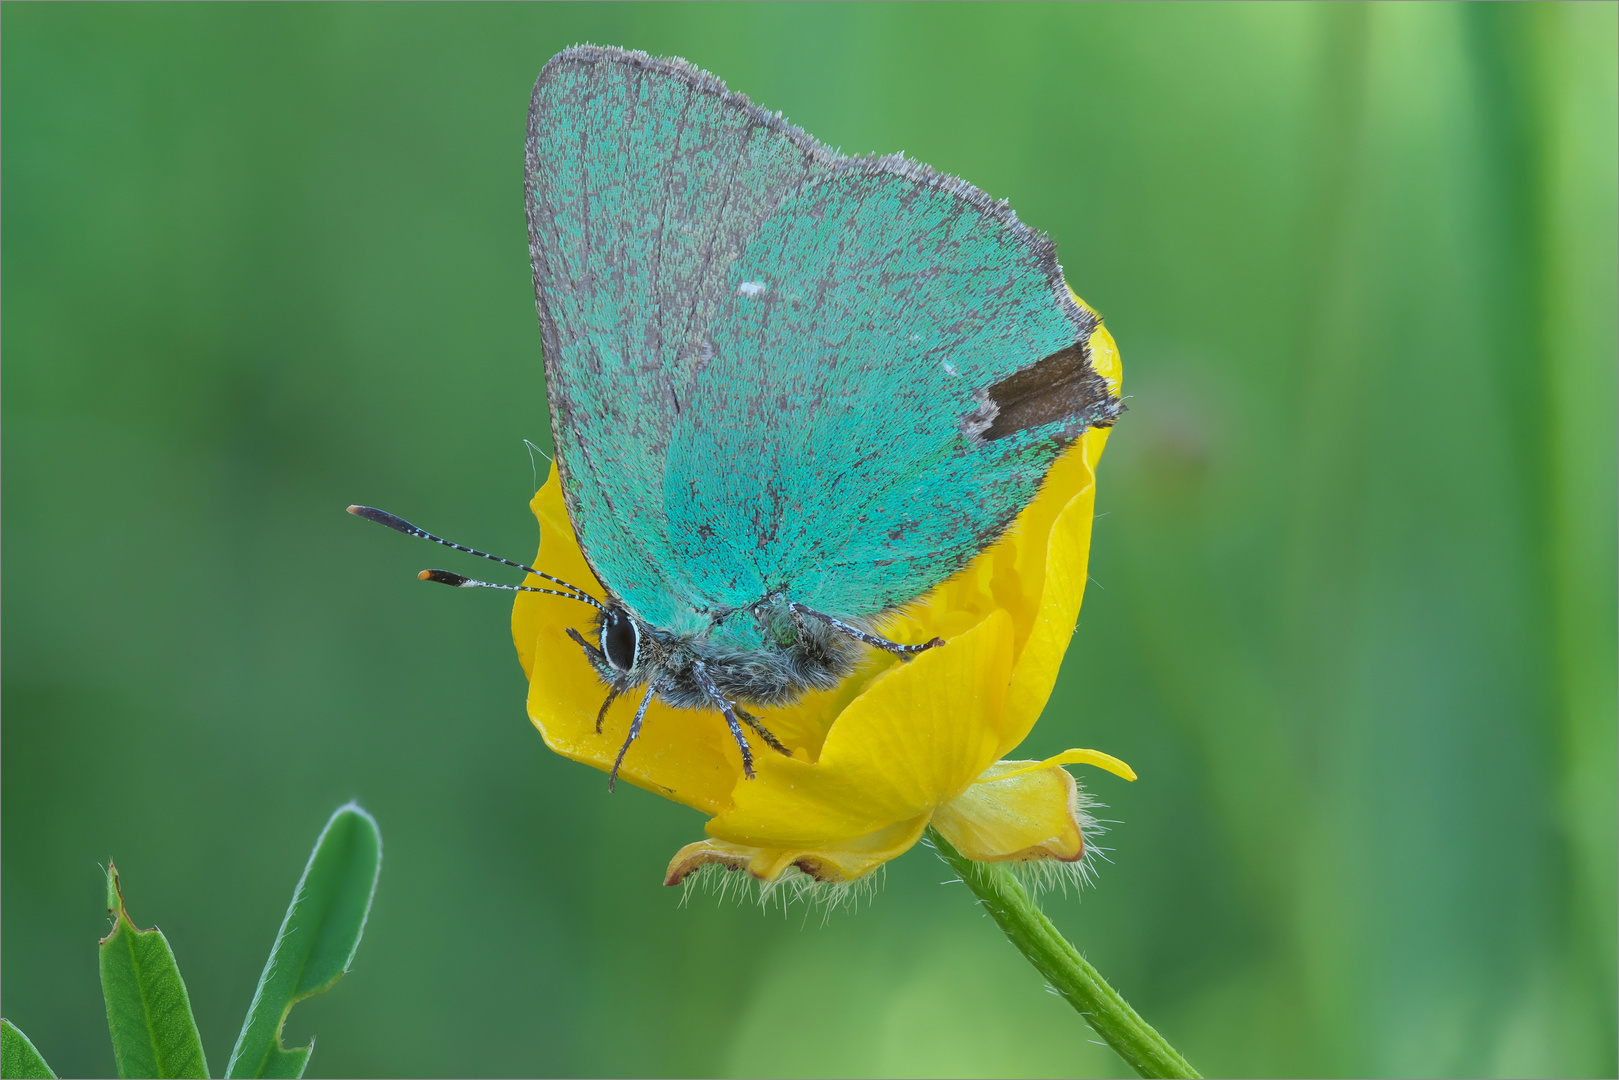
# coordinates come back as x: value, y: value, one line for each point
x: 852, y: 399
x: 775, y: 370
x: 646, y: 179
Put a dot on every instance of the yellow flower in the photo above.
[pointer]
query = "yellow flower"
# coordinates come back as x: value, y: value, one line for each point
x: 896, y: 746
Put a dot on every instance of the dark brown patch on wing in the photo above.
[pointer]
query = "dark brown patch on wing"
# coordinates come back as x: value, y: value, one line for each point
x: 1063, y: 386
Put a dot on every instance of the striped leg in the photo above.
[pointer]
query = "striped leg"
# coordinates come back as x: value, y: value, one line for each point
x: 635, y: 729
x: 904, y: 652
x: 764, y: 733
x: 728, y: 711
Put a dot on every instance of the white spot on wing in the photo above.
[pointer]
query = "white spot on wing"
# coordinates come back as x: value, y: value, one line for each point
x: 950, y: 369
x: 751, y: 288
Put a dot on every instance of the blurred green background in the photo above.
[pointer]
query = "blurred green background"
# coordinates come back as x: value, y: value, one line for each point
x: 1353, y: 613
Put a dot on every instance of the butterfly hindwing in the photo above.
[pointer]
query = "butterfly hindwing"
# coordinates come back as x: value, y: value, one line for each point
x: 867, y: 318
x: 776, y: 369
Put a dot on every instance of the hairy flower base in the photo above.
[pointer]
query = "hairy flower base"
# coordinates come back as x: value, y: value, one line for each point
x: 894, y: 748
x: 1015, y: 811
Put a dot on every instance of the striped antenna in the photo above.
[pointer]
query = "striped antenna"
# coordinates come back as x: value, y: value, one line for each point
x: 458, y: 581
x: 399, y: 524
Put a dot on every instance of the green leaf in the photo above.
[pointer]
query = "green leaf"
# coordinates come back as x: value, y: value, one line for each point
x: 18, y: 1058
x: 148, y: 1012
x: 316, y: 943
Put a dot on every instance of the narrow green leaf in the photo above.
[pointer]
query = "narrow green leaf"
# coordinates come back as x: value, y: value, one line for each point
x: 18, y: 1058
x: 316, y: 943
x: 148, y: 1012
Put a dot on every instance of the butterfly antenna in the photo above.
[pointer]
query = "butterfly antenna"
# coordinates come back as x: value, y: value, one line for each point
x: 535, y: 469
x: 445, y: 577
x: 399, y: 524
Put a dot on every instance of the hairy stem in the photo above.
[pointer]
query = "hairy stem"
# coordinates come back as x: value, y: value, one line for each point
x: 1069, y: 973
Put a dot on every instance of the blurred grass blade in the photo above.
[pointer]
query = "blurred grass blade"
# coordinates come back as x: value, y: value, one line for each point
x: 316, y: 943
x: 18, y: 1058
x: 148, y: 1012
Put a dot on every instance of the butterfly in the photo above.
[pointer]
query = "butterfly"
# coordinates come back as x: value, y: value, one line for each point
x: 790, y: 391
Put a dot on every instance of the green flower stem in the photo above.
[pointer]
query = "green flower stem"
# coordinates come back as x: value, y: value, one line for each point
x: 1004, y: 897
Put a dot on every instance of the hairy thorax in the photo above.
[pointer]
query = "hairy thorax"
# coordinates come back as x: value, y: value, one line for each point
x: 764, y: 656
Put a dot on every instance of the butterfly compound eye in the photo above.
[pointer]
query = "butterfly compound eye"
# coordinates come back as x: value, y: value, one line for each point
x: 621, y: 639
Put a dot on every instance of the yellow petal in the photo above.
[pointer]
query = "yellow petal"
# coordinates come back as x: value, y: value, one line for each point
x: 917, y: 736
x: 683, y: 755
x: 834, y: 863
x: 1059, y: 574
x: 1104, y: 353
x: 559, y: 555
x: 1053, y: 538
x: 1069, y: 757
x: 1015, y: 814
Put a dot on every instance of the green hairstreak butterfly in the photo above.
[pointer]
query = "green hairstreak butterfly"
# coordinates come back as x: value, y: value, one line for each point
x: 790, y: 390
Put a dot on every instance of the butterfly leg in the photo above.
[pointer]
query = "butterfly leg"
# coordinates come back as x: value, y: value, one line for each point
x: 727, y: 710
x: 598, y: 661
x: 764, y: 733
x: 635, y: 729
x: 593, y: 654
x: 612, y: 696
x: 904, y: 652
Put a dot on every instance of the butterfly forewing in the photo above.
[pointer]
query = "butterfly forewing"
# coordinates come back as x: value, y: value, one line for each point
x: 646, y: 179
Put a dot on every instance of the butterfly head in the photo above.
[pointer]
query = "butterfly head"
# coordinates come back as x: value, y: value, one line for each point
x: 624, y: 651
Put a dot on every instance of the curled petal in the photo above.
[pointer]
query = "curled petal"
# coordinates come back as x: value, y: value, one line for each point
x: 1067, y: 757
x: 1059, y: 574
x: 834, y: 863
x: 1021, y: 810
